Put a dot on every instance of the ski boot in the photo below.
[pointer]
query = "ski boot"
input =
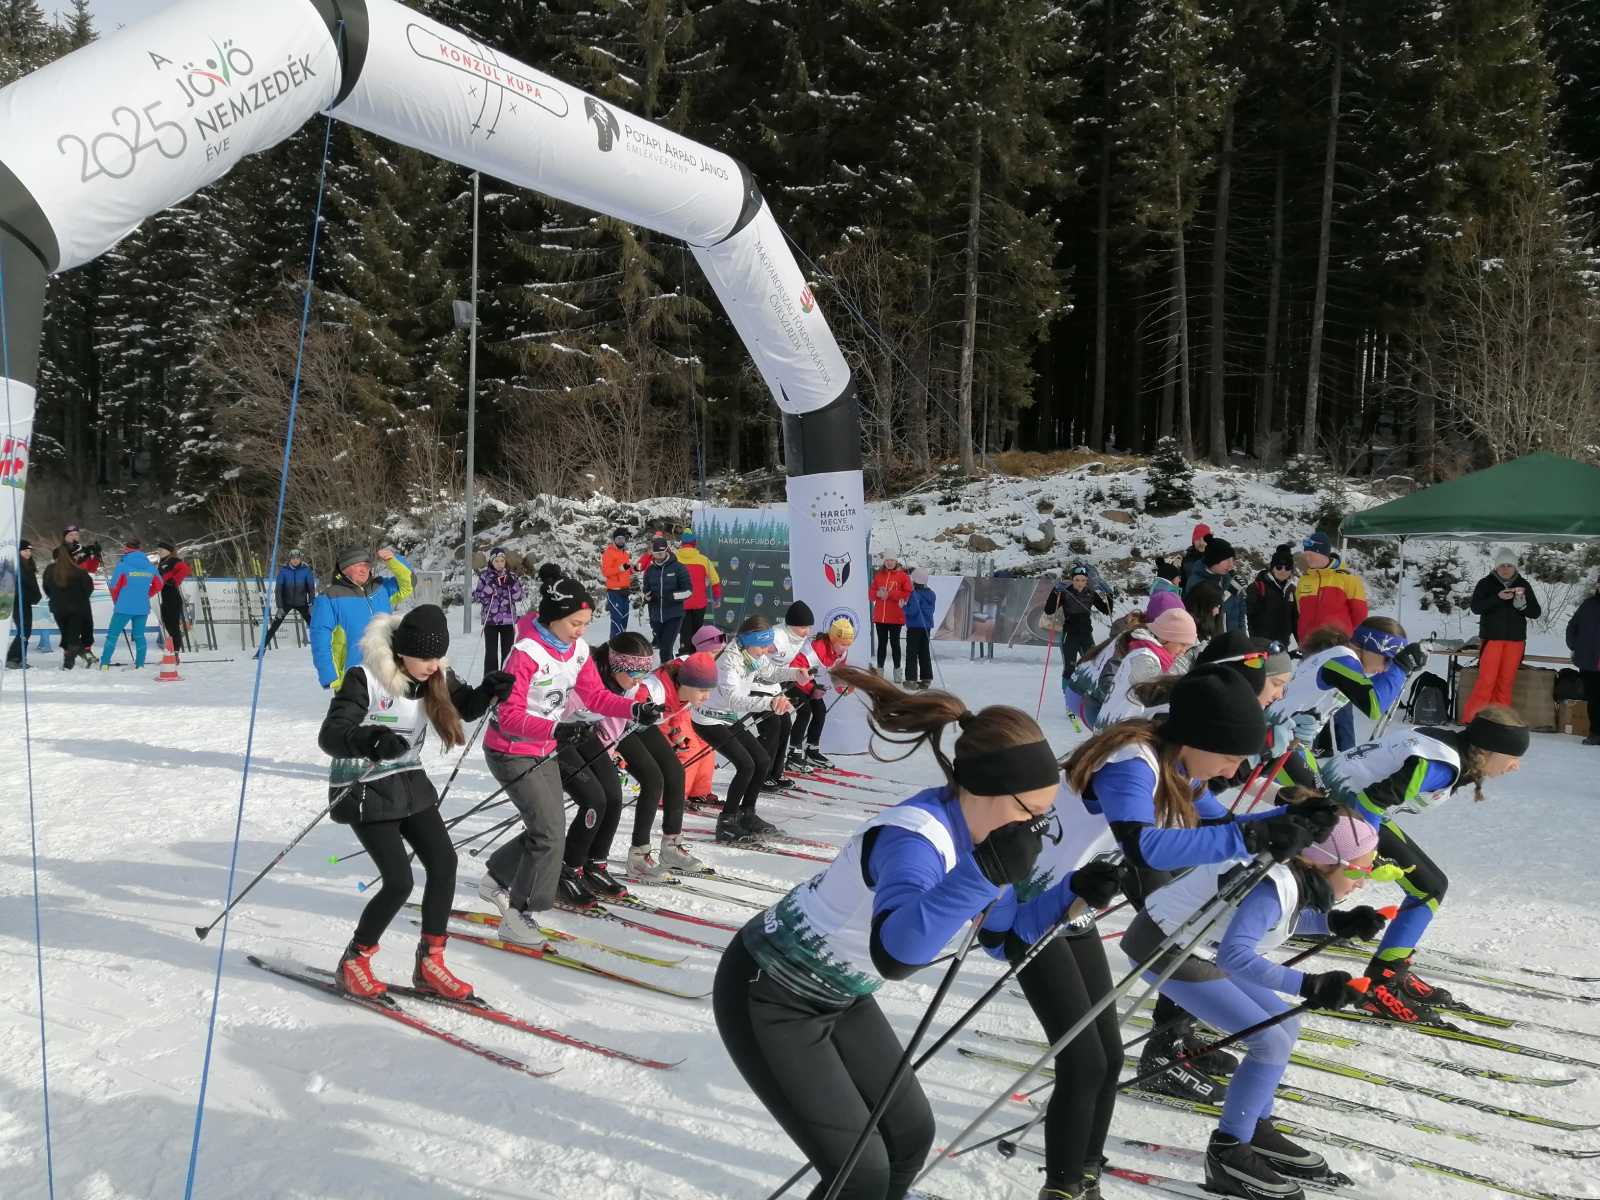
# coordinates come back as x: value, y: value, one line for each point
x: 796, y: 761
x: 643, y: 865
x: 1290, y: 1159
x: 730, y: 826
x: 755, y: 826
x: 816, y: 758
x: 355, y: 972
x: 777, y: 783
x: 430, y: 973
x: 1235, y: 1169
x: 675, y: 855
x: 1212, y: 1062
x: 898, y: 678
x: 491, y: 893
x: 1416, y: 989
x: 1186, y: 1081
x: 1387, y: 997
x: 521, y: 928
x: 597, y: 877
x: 705, y: 803
x: 573, y: 889
x: 68, y: 660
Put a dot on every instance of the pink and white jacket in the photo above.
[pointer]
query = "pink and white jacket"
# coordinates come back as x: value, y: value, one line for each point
x: 551, y: 683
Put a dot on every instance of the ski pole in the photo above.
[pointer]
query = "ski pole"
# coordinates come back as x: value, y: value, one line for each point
x: 1267, y: 778
x: 1359, y: 984
x: 465, y: 750
x: 1255, y: 774
x: 1202, y: 921
x: 901, y: 1070
x: 200, y: 931
x: 1044, y: 678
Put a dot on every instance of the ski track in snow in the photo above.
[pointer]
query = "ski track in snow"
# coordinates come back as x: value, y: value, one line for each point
x: 136, y: 786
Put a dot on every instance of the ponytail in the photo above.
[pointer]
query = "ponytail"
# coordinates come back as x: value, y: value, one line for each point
x: 441, y: 710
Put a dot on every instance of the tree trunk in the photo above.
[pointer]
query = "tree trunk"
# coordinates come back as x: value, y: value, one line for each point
x: 917, y: 422
x: 1216, y: 401
x: 1267, y: 400
x: 1180, y: 302
x: 1133, y: 428
x: 883, y: 413
x: 1319, y: 298
x: 1169, y: 364
x: 969, y: 320
x: 1102, y: 240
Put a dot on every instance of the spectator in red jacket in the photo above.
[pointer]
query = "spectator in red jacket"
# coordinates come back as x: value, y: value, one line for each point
x: 173, y: 571
x: 1327, y: 593
x: 891, y: 588
x: 705, y: 588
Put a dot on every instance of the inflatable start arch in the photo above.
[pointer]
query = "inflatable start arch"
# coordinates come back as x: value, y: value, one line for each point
x: 94, y: 143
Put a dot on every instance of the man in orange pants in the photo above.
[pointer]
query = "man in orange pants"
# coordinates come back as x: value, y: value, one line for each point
x: 1504, y: 601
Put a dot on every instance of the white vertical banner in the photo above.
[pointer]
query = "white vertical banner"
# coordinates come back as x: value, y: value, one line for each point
x: 828, y: 525
x: 16, y: 431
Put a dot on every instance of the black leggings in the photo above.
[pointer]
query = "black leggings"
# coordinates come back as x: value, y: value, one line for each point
x: 809, y: 714
x: 590, y: 777
x: 1061, y: 983
x: 497, y: 640
x: 774, y: 732
x: 819, y: 1071
x: 919, y: 657
x: 748, y: 757
x: 888, y: 635
x: 652, y: 762
x: 386, y: 842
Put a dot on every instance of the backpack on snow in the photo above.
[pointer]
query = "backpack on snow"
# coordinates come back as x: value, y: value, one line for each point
x: 1430, y: 700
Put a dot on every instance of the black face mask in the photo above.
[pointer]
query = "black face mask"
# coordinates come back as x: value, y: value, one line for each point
x: 1007, y: 855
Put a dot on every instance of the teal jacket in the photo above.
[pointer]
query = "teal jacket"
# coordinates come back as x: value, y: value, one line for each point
x: 340, y: 614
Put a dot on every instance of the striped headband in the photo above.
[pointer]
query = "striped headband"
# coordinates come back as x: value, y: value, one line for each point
x: 633, y: 664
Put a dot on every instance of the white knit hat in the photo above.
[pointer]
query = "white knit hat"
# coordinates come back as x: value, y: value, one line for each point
x: 1504, y: 554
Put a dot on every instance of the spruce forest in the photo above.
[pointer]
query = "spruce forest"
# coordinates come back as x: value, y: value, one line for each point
x: 1356, y: 229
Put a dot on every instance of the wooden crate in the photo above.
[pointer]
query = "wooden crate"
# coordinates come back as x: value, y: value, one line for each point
x: 1572, y: 716
x: 1533, y: 695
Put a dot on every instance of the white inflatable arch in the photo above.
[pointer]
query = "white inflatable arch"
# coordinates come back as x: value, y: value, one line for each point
x: 94, y: 143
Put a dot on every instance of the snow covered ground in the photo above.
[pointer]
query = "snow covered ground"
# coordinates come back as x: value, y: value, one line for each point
x: 135, y: 786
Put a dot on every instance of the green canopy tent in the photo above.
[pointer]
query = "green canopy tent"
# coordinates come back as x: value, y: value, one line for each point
x: 1539, y: 498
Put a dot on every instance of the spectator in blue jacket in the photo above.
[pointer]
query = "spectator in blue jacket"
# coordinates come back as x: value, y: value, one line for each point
x: 666, y: 586
x: 919, y: 629
x: 296, y: 589
x: 132, y: 584
x: 1216, y: 567
x: 340, y: 614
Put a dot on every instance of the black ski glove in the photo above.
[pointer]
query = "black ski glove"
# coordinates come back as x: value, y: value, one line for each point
x: 1321, y: 816
x: 1412, y: 658
x: 1330, y: 989
x: 1007, y: 855
x: 647, y: 712
x: 497, y: 685
x: 378, y: 744
x: 1364, y: 922
x: 570, y: 732
x: 1096, y: 883
x: 1282, y: 836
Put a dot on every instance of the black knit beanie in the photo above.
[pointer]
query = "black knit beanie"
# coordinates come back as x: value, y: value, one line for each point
x: 422, y: 633
x: 1227, y: 650
x: 799, y: 614
x: 349, y: 556
x: 561, y: 599
x: 1283, y: 556
x: 548, y: 573
x: 1217, y: 550
x: 1213, y: 709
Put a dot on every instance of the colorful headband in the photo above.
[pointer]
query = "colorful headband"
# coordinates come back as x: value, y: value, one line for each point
x: 633, y: 664
x: 1378, y: 642
x: 758, y: 637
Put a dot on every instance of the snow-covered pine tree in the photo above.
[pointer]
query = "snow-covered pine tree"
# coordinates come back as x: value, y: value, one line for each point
x: 1170, y: 477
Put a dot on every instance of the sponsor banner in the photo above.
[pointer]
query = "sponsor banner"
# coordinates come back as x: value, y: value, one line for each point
x: 750, y: 547
x: 828, y: 525
x: 16, y: 428
x: 133, y: 123
x: 777, y: 315
x: 425, y: 85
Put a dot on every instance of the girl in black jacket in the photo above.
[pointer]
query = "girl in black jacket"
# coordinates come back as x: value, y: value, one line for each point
x: 375, y: 729
x: 68, y: 587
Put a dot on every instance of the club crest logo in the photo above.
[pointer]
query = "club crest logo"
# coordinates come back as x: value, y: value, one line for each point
x: 836, y: 569
x: 808, y: 300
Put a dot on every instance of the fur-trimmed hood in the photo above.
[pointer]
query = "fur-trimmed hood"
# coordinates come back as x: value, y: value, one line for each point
x: 379, y: 659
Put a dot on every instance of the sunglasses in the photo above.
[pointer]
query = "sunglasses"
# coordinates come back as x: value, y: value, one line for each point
x: 1378, y: 872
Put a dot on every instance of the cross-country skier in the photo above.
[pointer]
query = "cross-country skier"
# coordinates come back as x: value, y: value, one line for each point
x: 1247, y: 1156
x: 627, y: 665
x: 1149, y: 651
x: 1367, y: 669
x: 1408, y: 771
x: 794, y: 994
x: 375, y: 729
x: 535, y: 748
x: 825, y: 652
x: 724, y: 721
x: 1139, y: 787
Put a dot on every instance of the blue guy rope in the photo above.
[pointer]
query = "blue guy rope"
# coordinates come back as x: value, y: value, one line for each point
x: 27, y: 744
x: 261, y: 658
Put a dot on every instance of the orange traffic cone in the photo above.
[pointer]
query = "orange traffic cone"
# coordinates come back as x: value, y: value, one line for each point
x: 169, y: 663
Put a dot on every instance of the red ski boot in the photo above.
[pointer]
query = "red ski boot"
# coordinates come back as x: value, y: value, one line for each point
x: 355, y: 972
x: 431, y: 975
